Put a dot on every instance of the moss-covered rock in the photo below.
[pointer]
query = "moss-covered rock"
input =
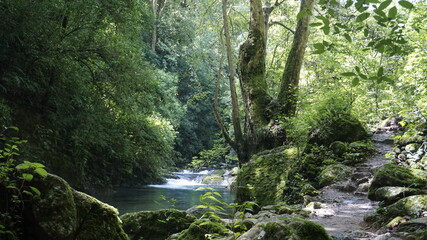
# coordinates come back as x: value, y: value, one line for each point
x: 339, y: 148
x: 97, y: 220
x: 54, y: 213
x: 411, y: 206
x: 390, y: 195
x: 408, y: 137
x: 391, y: 174
x: 307, y: 230
x: 334, y: 173
x: 295, y: 229
x: 213, y: 179
x: 264, y: 178
x: 63, y: 213
x: 155, y: 225
x: 199, y: 229
x: 345, y: 128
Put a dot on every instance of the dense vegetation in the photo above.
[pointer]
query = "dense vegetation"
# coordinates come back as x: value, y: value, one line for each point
x: 110, y: 92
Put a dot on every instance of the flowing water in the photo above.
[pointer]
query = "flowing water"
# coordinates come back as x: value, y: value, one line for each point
x: 179, y: 193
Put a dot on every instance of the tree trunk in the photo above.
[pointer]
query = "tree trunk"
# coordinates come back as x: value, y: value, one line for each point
x: 261, y: 130
x: 251, y: 69
x: 239, y: 143
x: 288, y: 94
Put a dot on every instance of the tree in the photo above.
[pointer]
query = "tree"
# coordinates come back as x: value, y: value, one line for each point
x: 261, y: 110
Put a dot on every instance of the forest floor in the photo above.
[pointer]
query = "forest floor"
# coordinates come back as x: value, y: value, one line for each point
x: 343, y: 205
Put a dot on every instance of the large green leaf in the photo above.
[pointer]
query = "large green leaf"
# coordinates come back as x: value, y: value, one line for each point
x: 406, y: 4
x: 392, y: 12
x: 362, y: 17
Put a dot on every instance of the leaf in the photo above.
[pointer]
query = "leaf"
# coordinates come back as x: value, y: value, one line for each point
x: 366, y: 32
x: 27, y: 176
x: 392, y: 12
x: 316, y: 24
x: 348, y: 37
x: 380, y: 72
x: 302, y: 14
x: 35, y: 190
x: 348, y: 3
x: 41, y: 171
x: 406, y: 4
x: 355, y: 82
x: 348, y: 74
x: 384, y: 4
x: 319, y: 46
x: 326, y: 30
x: 380, y: 12
x: 357, y: 69
x: 362, y: 17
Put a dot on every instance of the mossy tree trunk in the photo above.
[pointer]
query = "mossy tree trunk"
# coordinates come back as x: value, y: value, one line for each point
x: 261, y: 110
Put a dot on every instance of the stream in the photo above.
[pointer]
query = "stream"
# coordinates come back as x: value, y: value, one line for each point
x: 177, y: 193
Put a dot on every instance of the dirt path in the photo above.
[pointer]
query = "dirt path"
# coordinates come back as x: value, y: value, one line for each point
x: 343, y: 205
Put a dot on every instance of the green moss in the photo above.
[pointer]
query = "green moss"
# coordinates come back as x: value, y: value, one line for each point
x: 213, y: 179
x: 391, y: 194
x: 54, y: 211
x: 334, y: 173
x: 342, y: 127
x: 411, y: 206
x: 97, y: 220
x: 155, y: 225
x: 264, y: 178
x: 276, y: 231
x: 200, y: 228
x: 408, y: 137
x: 422, y: 234
x: 307, y: 230
x: 339, y: 148
x: 391, y: 174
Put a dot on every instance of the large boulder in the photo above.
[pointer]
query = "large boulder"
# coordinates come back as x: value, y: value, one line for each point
x: 200, y: 229
x: 389, y: 195
x: 155, y: 225
x: 391, y: 174
x: 345, y: 128
x: 60, y: 212
x: 412, y: 206
x: 295, y: 229
x: 334, y: 173
x: 265, y: 177
x: 54, y: 214
x: 97, y: 220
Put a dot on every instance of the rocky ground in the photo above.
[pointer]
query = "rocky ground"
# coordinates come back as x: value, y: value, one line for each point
x: 342, y: 206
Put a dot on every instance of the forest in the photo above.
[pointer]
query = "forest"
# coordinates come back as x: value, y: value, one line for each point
x: 108, y: 93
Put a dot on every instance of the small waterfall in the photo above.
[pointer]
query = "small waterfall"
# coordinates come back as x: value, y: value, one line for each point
x: 188, y: 178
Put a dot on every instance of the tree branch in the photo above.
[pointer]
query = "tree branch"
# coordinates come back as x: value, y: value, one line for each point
x: 283, y: 25
x: 215, y: 104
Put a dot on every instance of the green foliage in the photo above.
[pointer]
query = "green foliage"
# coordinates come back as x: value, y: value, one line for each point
x: 218, y: 156
x: 82, y: 93
x: 15, y: 179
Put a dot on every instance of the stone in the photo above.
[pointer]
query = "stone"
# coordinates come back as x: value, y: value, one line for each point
x: 334, y: 173
x: 155, y: 225
x: 391, y: 174
x: 199, y: 229
x: 264, y: 179
x: 54, y: 212
x: 344, y: 128
x: 97, y: 220
x: 411, y: 206
x: 213, y: 179
x: 61, y: 212
x: 338, y: 147
x: 412, y: 147
x: 289, y: 229
x: 391, y: 194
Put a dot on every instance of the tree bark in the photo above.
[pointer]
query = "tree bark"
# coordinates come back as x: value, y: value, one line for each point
x: 239, y: 143
x: 288, y: 94
x: 251, y: 69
